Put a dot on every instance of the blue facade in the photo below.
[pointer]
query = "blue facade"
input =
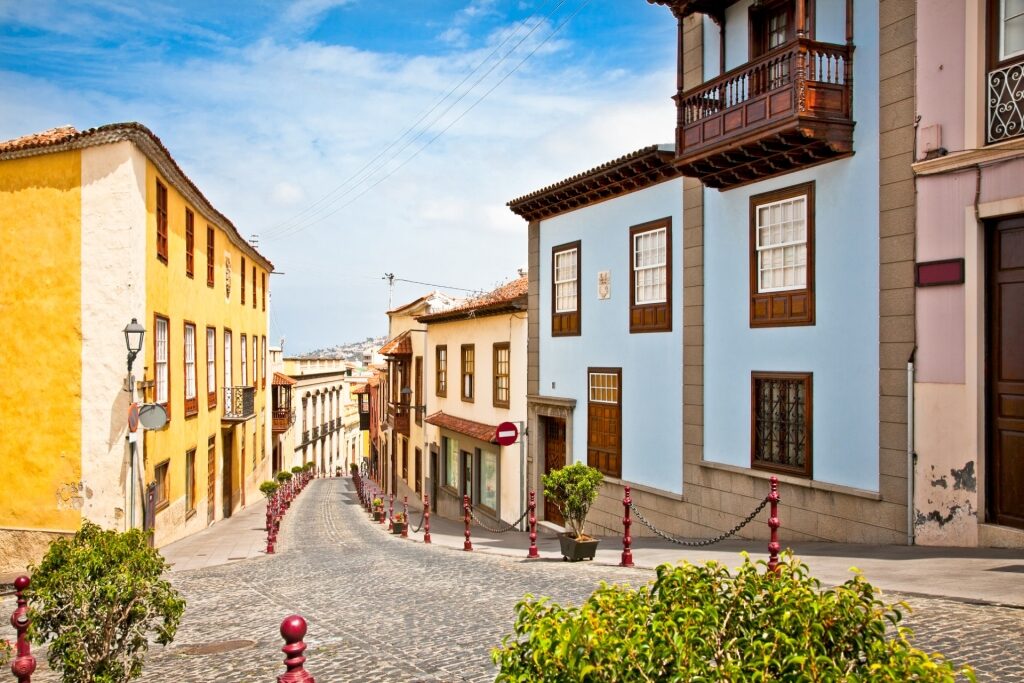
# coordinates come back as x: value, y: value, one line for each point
x: 651, y: 362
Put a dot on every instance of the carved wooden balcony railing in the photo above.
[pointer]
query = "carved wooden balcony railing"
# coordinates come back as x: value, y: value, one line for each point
x: 1005, y: 103
x: 283, y: 419
x: 239, y: 404
x: 787, y: 109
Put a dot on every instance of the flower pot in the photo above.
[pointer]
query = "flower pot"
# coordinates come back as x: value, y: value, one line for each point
x: 574, y: 551
x: 397, y: 527
x: 378, y: 515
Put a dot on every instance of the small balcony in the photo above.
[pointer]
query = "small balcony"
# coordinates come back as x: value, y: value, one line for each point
x: 239, y: 404
x: 787, y: 109
x: 305, y: 437
x: 283, y: 419
x: 1005, y: 118
x: 316, y: 433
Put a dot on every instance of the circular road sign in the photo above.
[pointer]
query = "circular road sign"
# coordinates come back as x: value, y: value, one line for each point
x: 506, y: 433
x: 133, y: 417
x: 152, y: 416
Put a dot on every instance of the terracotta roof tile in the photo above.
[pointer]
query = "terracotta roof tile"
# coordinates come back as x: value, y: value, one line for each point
x: 283, y: 380
x: 476, y: 430
x: 508, y: 297
x: 360, y: 389
x: 47, y: 137
x: 399, y: 346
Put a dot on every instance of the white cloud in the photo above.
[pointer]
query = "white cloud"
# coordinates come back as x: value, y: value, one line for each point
x: 305, y: 13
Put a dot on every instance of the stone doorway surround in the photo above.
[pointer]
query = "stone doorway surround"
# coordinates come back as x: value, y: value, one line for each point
x: 538, y: 406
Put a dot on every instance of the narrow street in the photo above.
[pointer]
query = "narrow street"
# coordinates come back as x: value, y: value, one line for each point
x: 385, y: 609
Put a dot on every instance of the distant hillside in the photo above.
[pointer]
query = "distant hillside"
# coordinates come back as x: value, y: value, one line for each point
x: 351, y: 351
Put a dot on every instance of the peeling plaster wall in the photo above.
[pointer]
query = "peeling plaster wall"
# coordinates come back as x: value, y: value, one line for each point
x: 114, y: 246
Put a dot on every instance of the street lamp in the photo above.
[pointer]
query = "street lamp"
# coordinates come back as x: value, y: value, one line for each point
x: 133, y: 335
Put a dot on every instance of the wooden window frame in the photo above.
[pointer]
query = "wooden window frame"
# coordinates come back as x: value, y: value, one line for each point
x: 243, y: 358
x: 775, y: 309
x: 190, y: 243
x: 263, y: 376
x: 241, y: 277
x: 756, y: 39
x: 163, y: 484
x: 441, y: 370
x: 191, y: 404
x: 190, y: 483
x: 254, y: 288
x: 616, y: 473
x: 567, y: 323
x: 471, y: 373
x: 808, y: 379
x: 446, y: 442
x: 255, y: 360
x: 157, y: 318
x: 417, y: 389
x: 994, y: 57
x: 161, y: 222
x: 497, y: 348
x: 211, y: 237
x: 654, y: 316
x: 263, y: 289
x: 211, y: 354
x: 227, y: 339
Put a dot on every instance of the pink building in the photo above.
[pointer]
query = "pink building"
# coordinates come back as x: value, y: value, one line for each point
x: 969, y: 298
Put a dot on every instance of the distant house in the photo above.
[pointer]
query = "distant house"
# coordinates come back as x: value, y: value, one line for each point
x: 476, y: 380
x: 606, y: 334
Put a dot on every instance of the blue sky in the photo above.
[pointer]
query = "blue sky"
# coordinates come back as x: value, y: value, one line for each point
x: 355, y: 137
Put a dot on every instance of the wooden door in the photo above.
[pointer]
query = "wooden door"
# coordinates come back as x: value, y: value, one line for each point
x: 1006, y: 372
x: 554, y: 458
x: 211, y: 480
x: 227, y: 473
x: 604, y: 420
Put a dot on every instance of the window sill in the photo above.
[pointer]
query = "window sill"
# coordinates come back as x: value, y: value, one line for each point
x: 162, y: 505
x: 794, y: 481
x: 644, y: 488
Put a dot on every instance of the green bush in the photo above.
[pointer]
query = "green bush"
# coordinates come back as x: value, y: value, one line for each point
x: 6, y: 652
x: 97, y: 598
x: 353, y: 468
x: 282, y: 477
x: 700, y: 623
x: 309, y: 466
x: 269, y: 488
x: 573, y: 489
x: 297, y: 469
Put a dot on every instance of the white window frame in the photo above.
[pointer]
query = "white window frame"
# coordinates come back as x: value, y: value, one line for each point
x: 607, y: 392
x: 244, y: 360
x: 1002, y: 32
x: 190, y: 361
x: 563, y: 283
x: 638, y: 258
x: 211, y: 360
x: 781, y: 246
x: 161, y: 372
x: 227, y: 359
x: 255, y: 360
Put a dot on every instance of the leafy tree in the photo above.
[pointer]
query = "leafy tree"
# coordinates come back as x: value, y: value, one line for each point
x: 573, y: 489
x: 96, y: 598
x: 700, y: 623
x: 268, y: 489
x: 297, y: 469
x: 284, y: 476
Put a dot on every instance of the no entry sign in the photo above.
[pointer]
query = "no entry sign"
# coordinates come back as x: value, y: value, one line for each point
x: 506, y: 433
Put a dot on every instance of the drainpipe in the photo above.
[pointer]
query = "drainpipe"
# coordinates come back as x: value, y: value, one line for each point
x: 911, y: 455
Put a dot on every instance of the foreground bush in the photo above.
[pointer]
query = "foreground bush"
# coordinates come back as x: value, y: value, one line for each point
x: 700, y: 623
x: 96, y: 598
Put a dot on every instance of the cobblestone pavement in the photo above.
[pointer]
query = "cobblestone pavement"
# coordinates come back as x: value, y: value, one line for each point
x: 385, y: 609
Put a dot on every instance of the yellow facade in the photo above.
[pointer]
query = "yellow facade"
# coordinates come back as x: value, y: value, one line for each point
x: 40, y: 349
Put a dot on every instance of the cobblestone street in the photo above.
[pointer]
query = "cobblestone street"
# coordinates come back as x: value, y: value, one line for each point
x: 385, y: 609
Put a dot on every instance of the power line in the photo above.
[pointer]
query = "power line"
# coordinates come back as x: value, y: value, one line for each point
x: 445, y: 129
x: 312, y: 209
x: 390, y: 277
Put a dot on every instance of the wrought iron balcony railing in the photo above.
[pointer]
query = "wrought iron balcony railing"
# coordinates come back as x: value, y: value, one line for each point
x: 283, y: 419
x: 1005, y: 103
x: 239, y: 403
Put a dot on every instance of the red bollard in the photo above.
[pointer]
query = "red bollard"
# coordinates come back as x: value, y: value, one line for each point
x: 426, y: 518
x: 405, y: 516
x: 627, y: 540
x: 293, y: 630
x: 24, y: 663
x: 774, y: 524
x: 465, y: 507
x: 391, y: 512
x: 533, y: 554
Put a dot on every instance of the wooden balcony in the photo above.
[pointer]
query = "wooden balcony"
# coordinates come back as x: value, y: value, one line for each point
x: 787, y: 109
x: 239, y: 404
x: 283, y: 419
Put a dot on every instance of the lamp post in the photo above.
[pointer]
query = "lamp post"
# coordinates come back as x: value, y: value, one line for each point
x: 133, y: 335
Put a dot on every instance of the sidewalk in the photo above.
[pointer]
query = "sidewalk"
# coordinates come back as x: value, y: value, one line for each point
x: 240, y: 537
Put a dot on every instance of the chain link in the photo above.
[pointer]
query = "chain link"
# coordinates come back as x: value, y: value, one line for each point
x: 704, y: 541
x: 510, y: 527
x: 423, y: 515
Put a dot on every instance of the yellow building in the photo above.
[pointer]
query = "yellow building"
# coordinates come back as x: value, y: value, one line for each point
x: 100, y: 227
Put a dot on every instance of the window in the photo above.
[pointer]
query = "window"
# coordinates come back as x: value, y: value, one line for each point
x: 161, y: 221
x: 441, y: 382
x: 650, y: 276
x: 451, y: 462
x: 209, y: 256
x: 191, y: 402
x: 255, y: 360
x: 211, y: 367
x: 417, y: 397
x: 781, y: 422
x: 241, y: 278
x: 468, y: 352
x: 604, y: 420
x: 162, y: 477
x: 502, y: 353
x: 487, y: 487
x: 227, y: 362
x: 254, y: 289
x: 782, y: 257
x: 244, y: 360
x: 263, y: 375
x: 263, y: 289
x: 190, y: 483
x: 1008, y: 35
x: 190, y: 243
x: 161, y: 374
x: 565, y: 300
x: 1005, y: 92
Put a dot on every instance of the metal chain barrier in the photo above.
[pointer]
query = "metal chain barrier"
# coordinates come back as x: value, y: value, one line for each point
x: 423, y: 515
x: 509, y: 527
x: 704, y: 541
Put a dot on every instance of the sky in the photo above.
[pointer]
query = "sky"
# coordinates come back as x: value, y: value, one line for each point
x: 355, y: 138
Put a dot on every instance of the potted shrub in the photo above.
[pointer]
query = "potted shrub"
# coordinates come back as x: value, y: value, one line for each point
x: 573, y: 489
x: 282, y: 477
x: 268, y: 489
x: 398, y: 523
x: 296, y: 469
x: 378, y: 509
x: 353, y: 469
